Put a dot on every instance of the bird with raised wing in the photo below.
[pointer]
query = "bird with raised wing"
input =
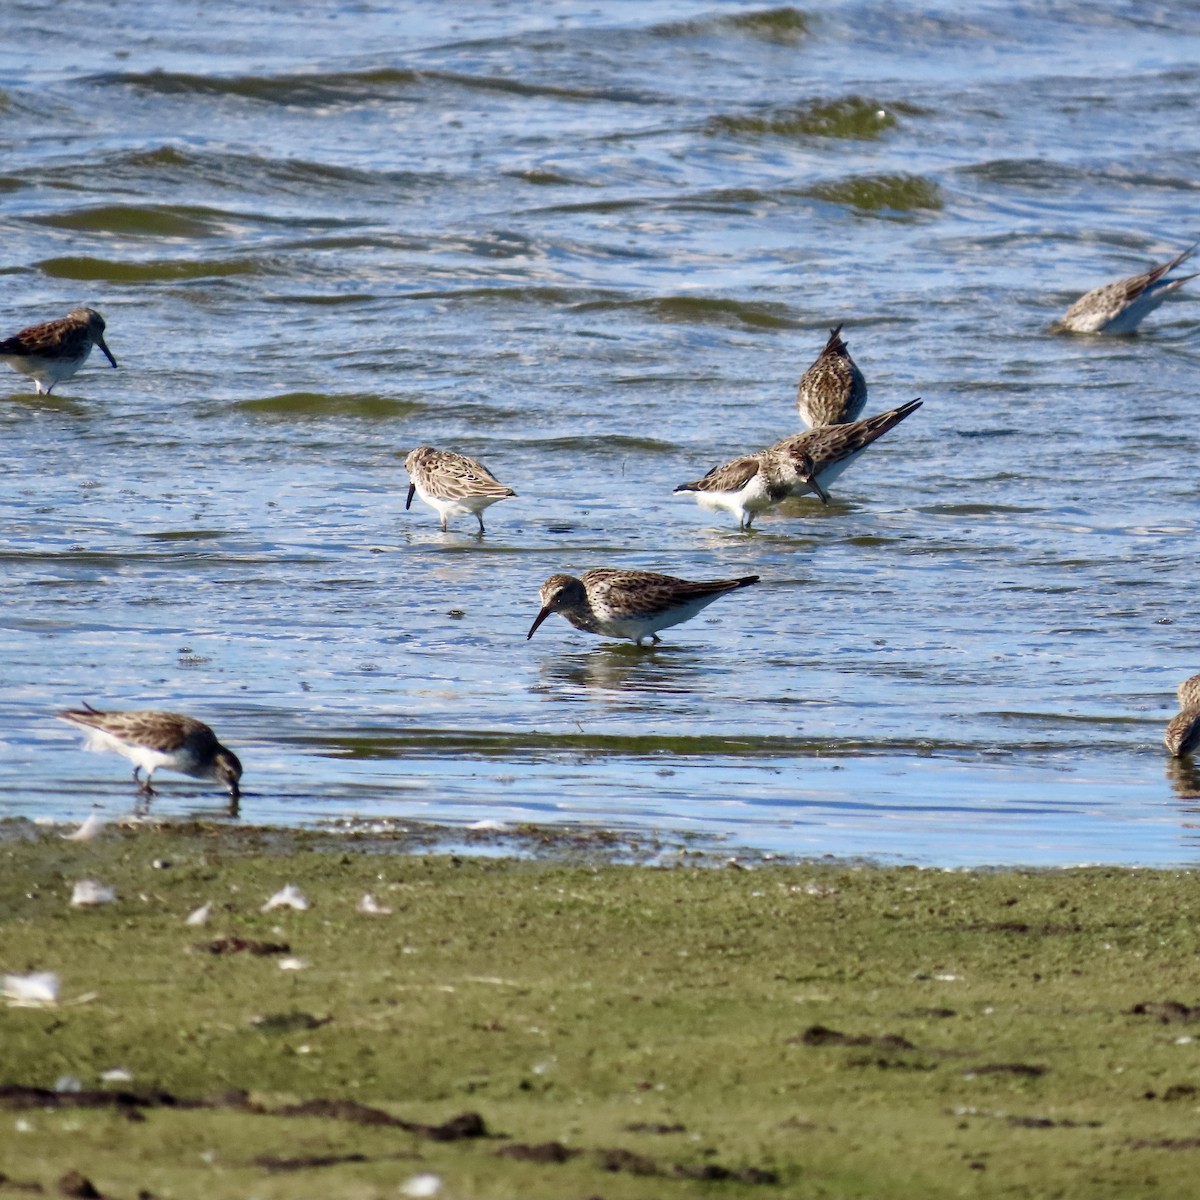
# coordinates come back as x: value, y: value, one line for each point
x: 1118, y: 308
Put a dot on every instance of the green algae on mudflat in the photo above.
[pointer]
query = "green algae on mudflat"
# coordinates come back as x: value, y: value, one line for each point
x: 626, y: 1031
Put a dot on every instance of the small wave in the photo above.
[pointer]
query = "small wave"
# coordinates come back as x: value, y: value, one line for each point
x: 148, y: 221
x: 1048, y: 175
x: 187, y: 535
x: 702, y: 310
x: 366, y: 405
x: 975, y: 510
x: 325, y: 300
x: 543, y: 178
x: 299, y: 90
x: 614, y: 205
x: 254, y: 171
x: 873, y: 193
x: 521, y: 87
x: 1040, y: 173
x: 518, y: 294
x: 610, y: 441
x: 160, y: 271
x: 783, y: 26
x: 652, y: 747
x: 159, y: 167
x: 853, y: 117
x: 350, y: 87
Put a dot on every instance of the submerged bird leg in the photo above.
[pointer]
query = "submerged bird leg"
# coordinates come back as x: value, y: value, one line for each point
x: 445, y: 518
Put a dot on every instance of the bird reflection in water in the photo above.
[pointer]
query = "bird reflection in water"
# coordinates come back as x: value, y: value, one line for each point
x: 1183, y: 774
x: 666, y: 670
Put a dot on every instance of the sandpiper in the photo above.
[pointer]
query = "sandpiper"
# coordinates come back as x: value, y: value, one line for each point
x: 629, y: 604
x: 832, y: 391
x: 452, y: 483
x: 747, y: 485
x: 55, y: 350
x: 154, y: 740
x: 1183, y: 730
x: 822, y: 454
x: 800, y: 465
x: 1116, y: 308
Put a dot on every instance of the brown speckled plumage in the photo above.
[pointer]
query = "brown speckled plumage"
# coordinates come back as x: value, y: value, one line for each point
x: 1183, y: 730
x: 832, y: 391
x: 451, y: 483
x: 629, y: 604
x: 745, y: 486
x: 55, y: 350
x: 1118, y: 308
x: 153, y: 740
x: 800, y: 465
x: 823, y: 453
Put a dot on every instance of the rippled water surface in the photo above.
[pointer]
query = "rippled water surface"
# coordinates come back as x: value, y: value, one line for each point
x: 596, y: 245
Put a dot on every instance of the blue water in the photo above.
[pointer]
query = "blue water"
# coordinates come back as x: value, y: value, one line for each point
x: 596, y: 246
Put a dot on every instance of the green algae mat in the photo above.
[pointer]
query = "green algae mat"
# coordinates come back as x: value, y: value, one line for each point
x: 564, y: 1026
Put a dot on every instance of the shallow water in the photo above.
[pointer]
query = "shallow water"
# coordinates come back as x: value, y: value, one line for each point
x: 596, y: 245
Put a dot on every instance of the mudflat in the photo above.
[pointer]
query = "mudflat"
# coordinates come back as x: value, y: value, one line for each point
x: 571, y: 1023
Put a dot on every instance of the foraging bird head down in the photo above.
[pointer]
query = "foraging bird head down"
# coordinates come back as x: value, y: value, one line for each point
x: 559, y: 592
x: 228, y: 770
x: 411, y: 463
x: 95, y: 327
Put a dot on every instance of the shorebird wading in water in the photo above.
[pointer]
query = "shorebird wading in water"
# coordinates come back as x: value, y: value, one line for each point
x: 800, y: 465
x: 832, y: 391
x: 629, y: 604
x: 1117, y: 308
x: 1183, y: 730
x: 453, y: 484
x: 55, y: 350
x: 154, y: 740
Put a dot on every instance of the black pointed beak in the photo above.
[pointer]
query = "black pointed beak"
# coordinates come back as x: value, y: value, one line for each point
x: 811, y: 480
x: 546, y: 611
x: 107, y: 352
x: 412, y: 491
